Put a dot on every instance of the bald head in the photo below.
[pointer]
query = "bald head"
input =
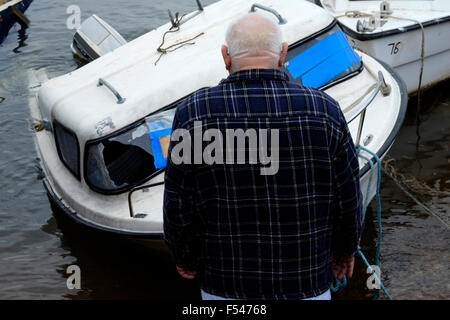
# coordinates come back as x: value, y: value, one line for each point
x: 253, y: 42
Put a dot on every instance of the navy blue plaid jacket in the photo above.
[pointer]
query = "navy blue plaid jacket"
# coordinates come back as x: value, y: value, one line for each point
x: 253, y: 236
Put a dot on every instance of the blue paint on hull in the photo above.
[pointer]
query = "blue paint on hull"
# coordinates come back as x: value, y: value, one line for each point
x: 7, y: 21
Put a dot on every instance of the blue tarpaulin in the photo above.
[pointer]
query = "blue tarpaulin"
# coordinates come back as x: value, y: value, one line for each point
x: 159, y: 126
x: 158, y: 155
x: 323, y: 61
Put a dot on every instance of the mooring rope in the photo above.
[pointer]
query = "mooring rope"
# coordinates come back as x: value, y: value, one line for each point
x: 338, y: 284
x: 174, y: 28
x: 422, y: 61
x: 410, y: 195
x: 360, y: 14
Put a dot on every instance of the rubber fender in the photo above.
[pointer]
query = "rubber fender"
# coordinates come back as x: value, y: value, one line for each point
x: 19, y: 16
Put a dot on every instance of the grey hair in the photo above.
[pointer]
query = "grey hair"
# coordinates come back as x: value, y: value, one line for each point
x: 244, y: 42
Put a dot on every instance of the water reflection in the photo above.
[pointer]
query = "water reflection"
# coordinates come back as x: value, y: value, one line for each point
x: 22, y: 36
x: 117, y: 268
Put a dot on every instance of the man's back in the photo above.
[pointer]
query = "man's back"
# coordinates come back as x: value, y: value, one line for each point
x: 265, y: 235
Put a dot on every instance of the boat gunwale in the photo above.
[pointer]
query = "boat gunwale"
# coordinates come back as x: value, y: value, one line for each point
x: 75, y: 217
x: 380, y: 34
x: 398, y: 123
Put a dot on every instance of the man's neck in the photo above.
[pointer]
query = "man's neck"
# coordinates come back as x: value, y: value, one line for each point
x: 248, y: 67
x: 254, y: 62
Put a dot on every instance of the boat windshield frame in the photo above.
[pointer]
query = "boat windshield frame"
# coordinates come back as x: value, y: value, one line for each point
x: 338, y: 79
x: 117, y: 133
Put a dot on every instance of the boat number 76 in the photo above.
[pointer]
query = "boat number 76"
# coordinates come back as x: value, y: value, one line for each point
x: 395, y: 47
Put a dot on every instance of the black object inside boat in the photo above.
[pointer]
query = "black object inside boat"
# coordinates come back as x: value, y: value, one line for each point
x: 127, y: 164
x: 120, y: 162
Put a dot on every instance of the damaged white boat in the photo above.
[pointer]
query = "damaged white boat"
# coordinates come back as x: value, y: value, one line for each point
x: 93, y: 142
x: 392, y: 32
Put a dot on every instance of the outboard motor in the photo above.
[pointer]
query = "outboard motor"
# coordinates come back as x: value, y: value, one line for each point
x: 95, y: 38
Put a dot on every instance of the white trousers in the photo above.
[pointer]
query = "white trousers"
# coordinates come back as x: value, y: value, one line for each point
x: 207, y: 296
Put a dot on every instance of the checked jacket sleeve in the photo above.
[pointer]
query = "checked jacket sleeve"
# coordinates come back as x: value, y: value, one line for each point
x: 181, y: 223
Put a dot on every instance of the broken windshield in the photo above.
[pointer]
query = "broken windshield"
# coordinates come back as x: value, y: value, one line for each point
x: 127, y: 159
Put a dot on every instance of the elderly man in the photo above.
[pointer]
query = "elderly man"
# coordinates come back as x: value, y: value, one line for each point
x: 248, y: 235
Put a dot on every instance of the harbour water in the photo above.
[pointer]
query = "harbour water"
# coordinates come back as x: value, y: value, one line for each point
x: 37, y: 246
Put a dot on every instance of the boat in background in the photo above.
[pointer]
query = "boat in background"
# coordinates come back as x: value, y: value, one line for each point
x: 392, y: 32
x: 95, y: 38
x: 12, y: 11
x: 94, y: 139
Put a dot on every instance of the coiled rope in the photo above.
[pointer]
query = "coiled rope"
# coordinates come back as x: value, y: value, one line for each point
x: 174, y: 28
x: 338, y: 284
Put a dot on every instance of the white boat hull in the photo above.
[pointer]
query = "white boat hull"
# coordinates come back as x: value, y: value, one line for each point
x: 402, y: 51
x: 395, y: 37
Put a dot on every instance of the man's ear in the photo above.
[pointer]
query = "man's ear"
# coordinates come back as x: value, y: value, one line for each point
x: 284, y: 50
x: 226, y: 58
